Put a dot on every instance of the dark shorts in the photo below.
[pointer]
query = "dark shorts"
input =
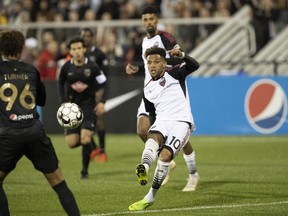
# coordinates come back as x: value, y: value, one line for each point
x: 88, y: 121
x: 34, y: 144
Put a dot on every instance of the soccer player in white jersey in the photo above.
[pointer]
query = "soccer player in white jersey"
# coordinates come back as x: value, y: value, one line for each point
x: 165, y: 97
x: 166, y: 41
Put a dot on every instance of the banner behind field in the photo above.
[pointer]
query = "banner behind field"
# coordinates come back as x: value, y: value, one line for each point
x: 239, y: 105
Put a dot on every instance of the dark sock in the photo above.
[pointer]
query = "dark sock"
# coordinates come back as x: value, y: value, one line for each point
x: 4, y: 210
x: 94, y: 146
x: 86, y: 151
x: 67, y: 199
x: 101, y: 135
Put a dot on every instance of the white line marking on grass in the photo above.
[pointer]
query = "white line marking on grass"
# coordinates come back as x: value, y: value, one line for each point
x: 189, y: 208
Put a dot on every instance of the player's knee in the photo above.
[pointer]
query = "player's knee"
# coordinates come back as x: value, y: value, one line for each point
x: 85, y: 140
x: 165, y: 155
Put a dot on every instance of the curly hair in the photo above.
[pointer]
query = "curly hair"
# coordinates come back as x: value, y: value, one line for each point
x: 155, y: 50
x: 11, y: 42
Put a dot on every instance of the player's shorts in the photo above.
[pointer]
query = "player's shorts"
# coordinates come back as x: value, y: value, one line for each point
x: 31, y: 142
x: 142, y: 110
x: 88, y: 121
x: 175, y: 133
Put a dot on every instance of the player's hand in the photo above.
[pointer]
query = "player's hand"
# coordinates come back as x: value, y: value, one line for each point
x: 100, y: 109
x: 131, y: 69
x: 176, y: 53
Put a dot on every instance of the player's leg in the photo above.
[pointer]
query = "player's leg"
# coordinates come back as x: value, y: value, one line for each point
x: 65, y: 195
x: 189, y: 157
x: 100, y: 128
x: 72, y: 139
x: 149, y: 155
x: 86, y: 141
x: 4, y: 210
x: 143, y: 122
x: 143, y: 125
x: 40, y: 151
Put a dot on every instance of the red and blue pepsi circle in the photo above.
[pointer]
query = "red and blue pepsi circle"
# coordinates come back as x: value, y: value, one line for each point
x: 266, y: 106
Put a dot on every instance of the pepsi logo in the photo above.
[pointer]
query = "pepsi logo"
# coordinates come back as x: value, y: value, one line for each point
x: 266, y: 106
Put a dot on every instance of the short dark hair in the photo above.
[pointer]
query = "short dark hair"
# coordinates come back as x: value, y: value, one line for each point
x: 150, y: 10
x: 11, y: 42
x: 86, y: 29
x: 75, y: 39
x: 155, y: 50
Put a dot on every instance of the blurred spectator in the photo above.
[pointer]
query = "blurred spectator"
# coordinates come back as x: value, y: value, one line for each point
x: 47, y: 63
x: 62, y: 7
x: 129, y: 11
x: 14, y: 10
x: 3, y: 16
x: 114, y: 51
x: 89, y: 15
x: 30, y: 52
x: 134, y: 50
x: 73, y: 16
x: 45, y: 9
x: 109, y: 6
x: 264, y: 14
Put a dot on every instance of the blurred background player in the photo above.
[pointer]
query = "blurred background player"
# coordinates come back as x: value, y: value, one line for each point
x: 77, y: 84
x: 96, y: 55
x: 144, y: 120
x: 23, y: 134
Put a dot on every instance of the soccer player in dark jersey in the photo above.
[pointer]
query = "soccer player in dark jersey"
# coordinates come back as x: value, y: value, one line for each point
x: 96, y: 55
x: 166, y: 41
x: 77, y: 84
x: 165, y: 97
x: 21, y: 131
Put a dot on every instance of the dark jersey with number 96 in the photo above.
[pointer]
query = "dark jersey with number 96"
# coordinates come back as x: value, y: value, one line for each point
x: 21, y: 90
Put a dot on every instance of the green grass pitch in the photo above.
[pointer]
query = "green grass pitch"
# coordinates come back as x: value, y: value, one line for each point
x: 240, y: 176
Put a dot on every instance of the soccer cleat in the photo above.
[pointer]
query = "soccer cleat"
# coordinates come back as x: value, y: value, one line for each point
x: 84, y: 175
x: 140, y: 205
x: 192, y: 183
x: 102, y: 158
x: 94, y: 153
x: 141, y: 174
x: 172, y: 166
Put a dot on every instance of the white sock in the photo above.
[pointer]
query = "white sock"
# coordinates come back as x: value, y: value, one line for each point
x: 159, y: 175
x: 190, y: 162
x: 149, y: 153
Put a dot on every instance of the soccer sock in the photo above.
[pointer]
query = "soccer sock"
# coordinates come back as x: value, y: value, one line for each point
x: 67, y: 199
x: 94, y: 146
x: 86, y: 151
x: 190, y: 162
x: 149, y: 153
x: 4, y: 210
x: 159, y: 175
x: 101, y: 135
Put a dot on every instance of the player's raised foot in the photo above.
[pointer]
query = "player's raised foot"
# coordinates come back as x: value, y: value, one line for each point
x: 141, y: 174
x: 140, y: 205
x: 172, y: 166
x: 191, y: 183
x: 102, y: 158
x: 94, y: 153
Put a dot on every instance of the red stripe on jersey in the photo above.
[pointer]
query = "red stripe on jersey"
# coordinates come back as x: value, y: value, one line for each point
x: 168, y: 36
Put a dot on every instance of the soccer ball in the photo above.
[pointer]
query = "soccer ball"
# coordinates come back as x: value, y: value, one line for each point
x: 70, y: 115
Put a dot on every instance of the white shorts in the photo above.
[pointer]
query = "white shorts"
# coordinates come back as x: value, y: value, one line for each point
x: 142, y: 110
x: 176, y: 133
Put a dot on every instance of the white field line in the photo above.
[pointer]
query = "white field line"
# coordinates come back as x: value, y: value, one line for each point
x: 244, y: 139
x: 190, y: 208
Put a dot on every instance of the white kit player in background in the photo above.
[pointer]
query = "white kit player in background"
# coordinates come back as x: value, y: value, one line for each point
x: 165, y: 97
